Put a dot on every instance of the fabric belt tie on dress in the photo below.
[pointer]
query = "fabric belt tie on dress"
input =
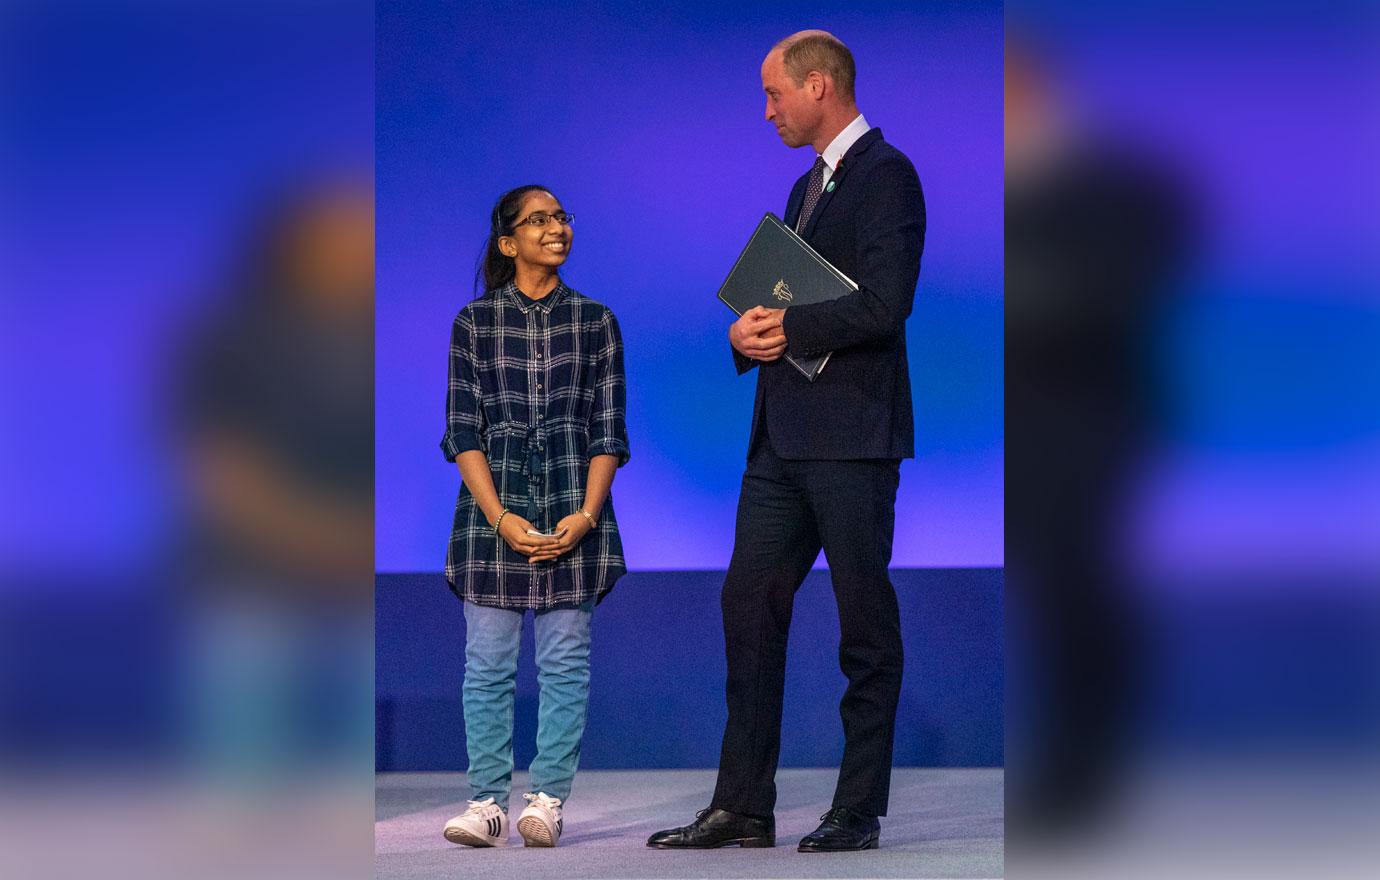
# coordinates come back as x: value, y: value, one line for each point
x: 532, y: 469
x: 533, y: 466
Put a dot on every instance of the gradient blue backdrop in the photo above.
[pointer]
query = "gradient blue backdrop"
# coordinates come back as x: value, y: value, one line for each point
x: 647, y: 122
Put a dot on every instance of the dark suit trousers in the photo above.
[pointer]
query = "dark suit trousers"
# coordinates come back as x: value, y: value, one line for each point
x: 787, y: 512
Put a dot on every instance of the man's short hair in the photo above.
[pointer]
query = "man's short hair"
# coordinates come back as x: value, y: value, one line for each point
x: 818, y: 50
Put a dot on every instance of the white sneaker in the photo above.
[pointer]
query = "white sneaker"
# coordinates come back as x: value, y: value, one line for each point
x: 483, y: 824
x: 540, y: 824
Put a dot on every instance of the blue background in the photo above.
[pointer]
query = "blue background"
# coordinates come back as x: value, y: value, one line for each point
x: 657, y: 673
x: 647, y: 121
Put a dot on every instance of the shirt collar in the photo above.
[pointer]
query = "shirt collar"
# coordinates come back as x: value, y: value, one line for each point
x: 843, y: 141
x: 545, y: 304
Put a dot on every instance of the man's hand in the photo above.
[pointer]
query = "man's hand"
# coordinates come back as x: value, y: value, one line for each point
x: 758, y: 334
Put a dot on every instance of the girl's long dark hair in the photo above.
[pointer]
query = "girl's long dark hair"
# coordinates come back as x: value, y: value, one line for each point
x: 494, y: 269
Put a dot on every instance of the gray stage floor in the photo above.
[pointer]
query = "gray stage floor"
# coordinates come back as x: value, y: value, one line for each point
x: 943, y: 823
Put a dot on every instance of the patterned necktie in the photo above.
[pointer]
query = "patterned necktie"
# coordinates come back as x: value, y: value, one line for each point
x: 812, y: 190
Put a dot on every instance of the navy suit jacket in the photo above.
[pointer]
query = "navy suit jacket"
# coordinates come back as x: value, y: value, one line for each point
x: 872, y: 228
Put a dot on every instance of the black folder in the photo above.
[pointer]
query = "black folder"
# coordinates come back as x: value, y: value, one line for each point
x: 777, y: 269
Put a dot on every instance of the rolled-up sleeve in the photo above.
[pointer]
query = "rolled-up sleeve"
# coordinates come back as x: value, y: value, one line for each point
x: 608, y: 429
x: 464, y: 413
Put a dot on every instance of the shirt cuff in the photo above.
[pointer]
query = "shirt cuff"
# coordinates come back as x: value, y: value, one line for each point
x: 610, y: 446
x: 456, y: 442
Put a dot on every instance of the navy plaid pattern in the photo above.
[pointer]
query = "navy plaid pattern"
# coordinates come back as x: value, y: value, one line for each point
x: 539, y: 388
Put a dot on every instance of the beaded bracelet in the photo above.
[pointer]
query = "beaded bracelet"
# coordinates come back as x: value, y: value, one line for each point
x: 498, y: 522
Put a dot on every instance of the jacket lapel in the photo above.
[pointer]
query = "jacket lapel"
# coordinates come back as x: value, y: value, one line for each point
x: 793, y: 202
x: 836, y: 180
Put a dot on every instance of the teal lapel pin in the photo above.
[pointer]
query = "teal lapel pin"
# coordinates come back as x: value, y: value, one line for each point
x: 830, y: 187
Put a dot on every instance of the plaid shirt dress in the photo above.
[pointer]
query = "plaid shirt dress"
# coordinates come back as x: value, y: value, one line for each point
x: 539, y: 388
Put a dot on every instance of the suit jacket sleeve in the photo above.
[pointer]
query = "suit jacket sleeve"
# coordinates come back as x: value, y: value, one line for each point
x: 890, y: 236
x: 742, y: 364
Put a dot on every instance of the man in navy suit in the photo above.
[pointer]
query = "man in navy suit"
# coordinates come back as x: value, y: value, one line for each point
x: 823, y: 460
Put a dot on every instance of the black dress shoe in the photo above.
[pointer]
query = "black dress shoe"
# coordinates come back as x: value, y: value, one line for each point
x: 714, y: 828
x: 843, y: 830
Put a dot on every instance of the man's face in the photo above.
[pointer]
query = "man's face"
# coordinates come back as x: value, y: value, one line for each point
x: 791, y: 108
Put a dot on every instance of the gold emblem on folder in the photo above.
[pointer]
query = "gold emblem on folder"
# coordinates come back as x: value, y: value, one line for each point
x: 781, y: 291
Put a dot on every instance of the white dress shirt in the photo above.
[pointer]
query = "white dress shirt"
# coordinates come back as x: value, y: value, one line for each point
x: 840, y: 145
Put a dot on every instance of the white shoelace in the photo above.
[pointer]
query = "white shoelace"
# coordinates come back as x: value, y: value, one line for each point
x: 477, y: 807
x: 545, y: 800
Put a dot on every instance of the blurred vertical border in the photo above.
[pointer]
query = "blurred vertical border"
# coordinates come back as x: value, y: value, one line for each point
x: 186, y: 306
x: 1193, y: 438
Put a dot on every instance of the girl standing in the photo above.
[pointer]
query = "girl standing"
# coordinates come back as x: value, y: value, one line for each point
x: 535, y: 422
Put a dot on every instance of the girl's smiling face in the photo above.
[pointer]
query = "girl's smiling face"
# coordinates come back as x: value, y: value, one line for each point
x: 539, y: 238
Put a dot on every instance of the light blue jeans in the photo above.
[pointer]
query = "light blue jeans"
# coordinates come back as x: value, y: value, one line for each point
x: 491, y: 658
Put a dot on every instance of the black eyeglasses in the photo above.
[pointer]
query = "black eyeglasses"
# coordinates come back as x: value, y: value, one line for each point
x: 539, y: 219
